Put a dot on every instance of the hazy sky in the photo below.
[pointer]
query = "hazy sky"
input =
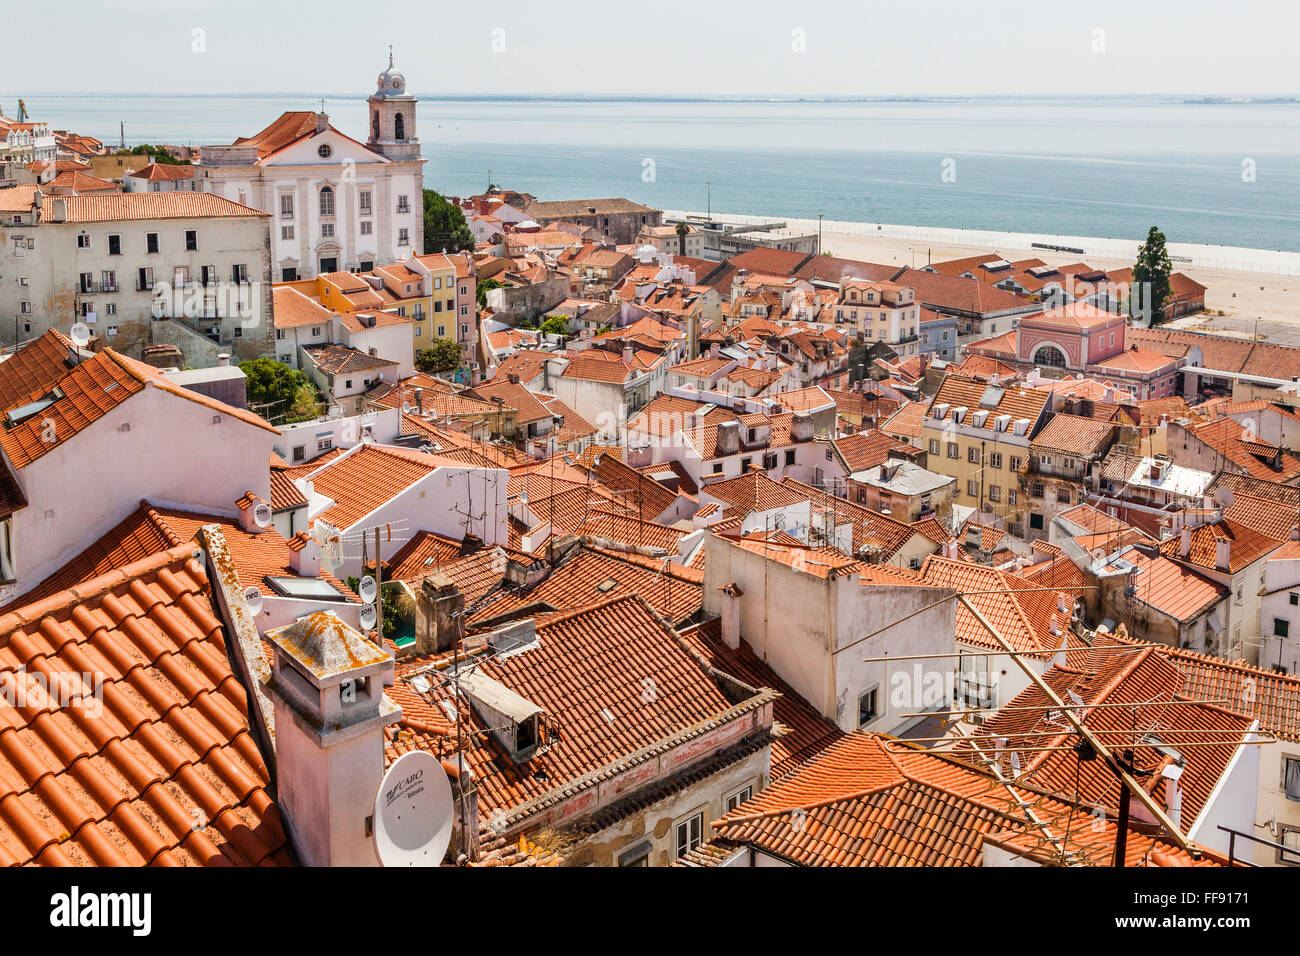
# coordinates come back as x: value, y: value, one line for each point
x: 668, y: 47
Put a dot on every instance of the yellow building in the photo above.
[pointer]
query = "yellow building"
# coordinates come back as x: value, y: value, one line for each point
x: 979, y: 434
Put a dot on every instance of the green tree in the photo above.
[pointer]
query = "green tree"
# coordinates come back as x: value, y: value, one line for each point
x: 555, y: 325
x: 278, y: 392
x: 442, y: 356
x: 399, y: 609
x: 683, y: 231
x: 485, y: 287
x: 445, y: 229
x: 158, y: 155
x: 1151, y: 279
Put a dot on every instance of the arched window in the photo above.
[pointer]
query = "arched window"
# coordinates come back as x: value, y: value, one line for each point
x: 326, y: 201
x: 399, y: 127
x: 1050, y: 356
x: 374, y: 125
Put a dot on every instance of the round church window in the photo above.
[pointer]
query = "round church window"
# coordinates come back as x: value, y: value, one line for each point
x: 325, y: 151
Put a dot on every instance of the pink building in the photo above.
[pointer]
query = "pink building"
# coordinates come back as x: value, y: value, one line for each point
x: 1083, y: 338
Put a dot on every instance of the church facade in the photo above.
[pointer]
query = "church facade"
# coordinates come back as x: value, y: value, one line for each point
x: 336, y: 204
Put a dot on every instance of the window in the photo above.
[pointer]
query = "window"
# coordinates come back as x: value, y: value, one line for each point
x: 279, y: 334
x: 83, y: 241
x: 239, y: 273
x: 1295, y: 598
x: 325, y: 444
x: 1291, y: 840
x: 299, y: 452
x: 288, y: 275
x: 995, y: 459
x: 403, y: 204
x: 953, y: 450
x: 973, y: 488
x: 1011, y: 496
x: 717, y: 467
x: 114, y: 245
x: 934, y: 446
x: 690, y: 834
x: 367, y: 227
x: 348, y: 383
x: 110, y: 308
x: 363, y: 202
x: 736, y: 799
x: 25, y: 307
x: 638, y: 855
x: 191, y: 240
x: 403, y: 237
x: 867, y: 707
x: 326, y: 201
x: 1036, y: 491
x: 315, y: 331
x: 1291, y: 778
x: 327, y: 230
x: 1036, y: 521
x: 1050, y: 356
x: 1281, y: 627
x: 789, y: 457
x: 995, y: 492
x: 87, y: 282
x: 286, y: 205
x: 1016, y: 463
x: 286, y: 232
x: 151, y: 242
x: 325, y: 151
x: 973, y: 455
x: 1045, y: 460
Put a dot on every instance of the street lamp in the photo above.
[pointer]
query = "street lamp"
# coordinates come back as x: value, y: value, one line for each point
x: 709, y: 186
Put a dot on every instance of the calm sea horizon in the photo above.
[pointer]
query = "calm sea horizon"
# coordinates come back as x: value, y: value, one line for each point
x: 1222, y: 174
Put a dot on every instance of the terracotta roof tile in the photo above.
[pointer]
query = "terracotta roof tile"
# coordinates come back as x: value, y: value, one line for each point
x: 169, y: 744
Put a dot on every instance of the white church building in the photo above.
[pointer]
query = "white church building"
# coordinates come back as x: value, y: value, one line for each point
x: 335, y: 204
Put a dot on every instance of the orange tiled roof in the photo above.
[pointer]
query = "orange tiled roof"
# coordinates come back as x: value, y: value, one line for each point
x: 1172, y: 588
x: 1145, y: 677
x: 588, y: 672
x: 171, y: 742
x: 119, y: 207
x: 860, y: 804
x: 1074, y: 435
x: 907, y: 421
x: 590, y: 576
x: 362, y: 480
x: 90, y: 390
x: 1245, y: 546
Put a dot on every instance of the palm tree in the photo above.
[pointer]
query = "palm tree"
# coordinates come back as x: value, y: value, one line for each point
x: 683, y: 231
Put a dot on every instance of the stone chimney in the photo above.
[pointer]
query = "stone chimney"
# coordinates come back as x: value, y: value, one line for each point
x: 627, y: 355
x: 223, y: 359
x: 322, y: 122
x: 304, y: 555
x: 330, y: 714
x: 1222, y: 553
x: 713, y: 350
x: 439, y: 624
x: 1185, y: 543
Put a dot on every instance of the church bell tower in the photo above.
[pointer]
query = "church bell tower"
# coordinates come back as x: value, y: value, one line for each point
x: 392, y: 116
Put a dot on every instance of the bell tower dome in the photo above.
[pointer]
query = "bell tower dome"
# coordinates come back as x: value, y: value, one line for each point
x: 392, y: 116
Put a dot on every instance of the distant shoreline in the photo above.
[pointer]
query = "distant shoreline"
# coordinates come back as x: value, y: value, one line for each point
x: 1184, y: 255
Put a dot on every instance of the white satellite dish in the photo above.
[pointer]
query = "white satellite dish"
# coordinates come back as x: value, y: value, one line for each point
x: 253, y: 600
x: 262, y: 514
x: 367, y: 617
x: 413, y: 812
x: 80, y: 334
x: 1075, y: 698
x: 366, y: 589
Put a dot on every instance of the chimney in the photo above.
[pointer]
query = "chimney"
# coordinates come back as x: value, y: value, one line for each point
x: 304, y: 555
x: 59, y: 210
x: 326, y: 687
x: 731, y: 595
x: 322, y: 122
x: 713, y: 350
x: 801, y: 426
x: 729, y: 437
x: 223, y: 359
x: 254, y: 513
x: 1185, y: 543
x: 438, y: 618
x: 1222, y: 553
x: 627, y: 355
x: 419, y: 401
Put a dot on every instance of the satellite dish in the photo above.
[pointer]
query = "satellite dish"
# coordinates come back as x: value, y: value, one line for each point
x: 253, y: 600
x: 262, y: 514
x: 413, y: 812
x: 1075, y: 699
x: 80, y: 334
x: 366, y: 589
x: 367, y: 617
